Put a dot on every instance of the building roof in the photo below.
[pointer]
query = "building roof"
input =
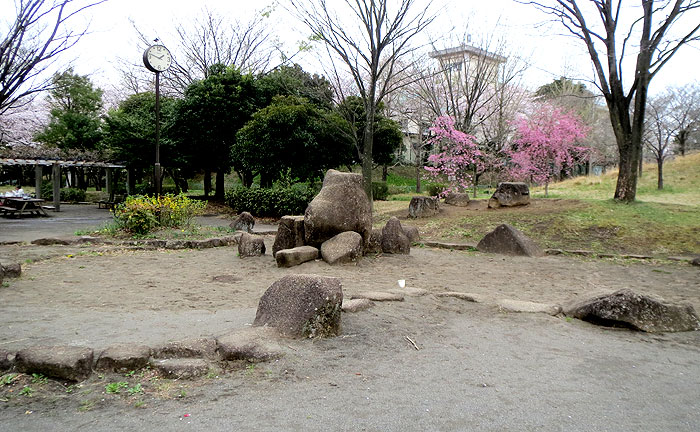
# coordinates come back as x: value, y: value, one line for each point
x: 468, y: 50
x: 63, y: 163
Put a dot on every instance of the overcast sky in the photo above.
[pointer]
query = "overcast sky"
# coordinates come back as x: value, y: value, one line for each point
x: 549, y: 53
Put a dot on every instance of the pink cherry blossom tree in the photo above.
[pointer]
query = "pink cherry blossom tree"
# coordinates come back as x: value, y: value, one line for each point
x: 547, y: 144
x: 457, y: 155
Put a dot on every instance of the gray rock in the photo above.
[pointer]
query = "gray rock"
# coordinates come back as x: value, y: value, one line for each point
x: 507, y: 240
x: 508, y: 305
x: 510, y: 194
x: 460, y: 295
x: 253, y: 345
x: 179, y: 368
x: 49, y: 241
x: 625, y: 308
x: 250, y: 246
x: 64, y: 362
x: 295, y: 256
x: 457, y: 199
x: 175, y: 244
x: 410, y: 292
x: 374, y: 245
x: 357, y: 305
x: 340, y: 206
x: 244, y: 222
x: 378, y: 296
x: 422, y: 206
x: 696, y: 262
x: 394, y: 239
x: 412, y: 233
x: 123, y: 358
x: 5, y: 362
x: 342, y: 249
x: 197, y: 347
x: 11, y: 270
x: 302, y: 306
x: 290, y: 233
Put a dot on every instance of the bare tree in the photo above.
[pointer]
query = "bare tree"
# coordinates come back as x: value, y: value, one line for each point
x: 28, y: 47
x: 601, y: 26
x: 368, y: 38
x: 685, y: 115
x: 659, y: 132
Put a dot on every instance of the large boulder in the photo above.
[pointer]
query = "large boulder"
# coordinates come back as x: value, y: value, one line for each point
x: 625, y: 308
x: 341, y: 205
x: 295, y: 256
x: 510, y: 194
x: 244, y: 222
x: 394, y: 238
x: 302, y: 306
x: 507, y: 240
x: 290, y: 233
x: 412, y: 233
x: 457, y: 199
x: 63, y: 362
x: 343, y: 248
x: 250, y: 245
x: 422, y: 206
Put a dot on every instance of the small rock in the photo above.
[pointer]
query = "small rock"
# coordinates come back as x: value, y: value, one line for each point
x: 509, y: 241
x: 378, y: 296
x: 290, y: 233
x: 179, y: 368
x: 295, y: 256
x: 252, y: 344
x: 250, y: 246
x: 357, y: 305
x: 457, y: 199
x: 696, y: 262
x: 374, y: 245
x: 412, y: 233
x: 627, y: 309
x: 123, y: 358
x: 460, y: 295
x: 52, y: 241
x: 508, y: 305
x: 510, y: 194
x: 12, y: 270
x: 410, y: 292
x: 5, y: 362
x: 394, y: 239
x: 198, y: 347
x: 64, y: 362
x: 302, y: 306
x: 422, y: 206
x: 343, y: 248
x: 244, y: 222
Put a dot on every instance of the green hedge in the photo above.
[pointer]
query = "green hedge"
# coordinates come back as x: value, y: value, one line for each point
x: 380, y: 191
x: 272, y: 202
x: 435, y: 189
x: 67, y: 194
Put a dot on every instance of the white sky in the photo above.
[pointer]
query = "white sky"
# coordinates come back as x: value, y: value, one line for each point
x: 549, y: 53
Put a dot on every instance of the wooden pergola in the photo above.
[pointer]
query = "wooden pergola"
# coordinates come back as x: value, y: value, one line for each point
x: 56, y: 165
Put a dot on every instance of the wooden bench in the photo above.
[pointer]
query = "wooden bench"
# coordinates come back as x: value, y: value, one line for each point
x: 105, y: 204
x: 5, y: 210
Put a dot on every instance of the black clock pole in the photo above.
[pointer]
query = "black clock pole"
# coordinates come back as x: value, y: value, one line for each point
x: 158, y: 176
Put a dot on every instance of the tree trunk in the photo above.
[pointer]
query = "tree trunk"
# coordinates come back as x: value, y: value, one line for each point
x: 219, y: 195
x: 660, y: 166
x: 641, y: 161
x: 476, y: 180
x: 546, y: 189
x: 385, y: 172
x: 207, y: 183
x: 419, y: 160
x: 368, y: 141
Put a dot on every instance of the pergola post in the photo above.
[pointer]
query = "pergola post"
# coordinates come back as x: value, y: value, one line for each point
x: 110, y: 189
x: 56, y: 174
x: 128, y: 181
x: 38, y: 173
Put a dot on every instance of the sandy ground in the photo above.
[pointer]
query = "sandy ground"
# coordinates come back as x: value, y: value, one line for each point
x: 477, y: 368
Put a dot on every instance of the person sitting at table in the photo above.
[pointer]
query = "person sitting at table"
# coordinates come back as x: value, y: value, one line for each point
x: 19, y: 192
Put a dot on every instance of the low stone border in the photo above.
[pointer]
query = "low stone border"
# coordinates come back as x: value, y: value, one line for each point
x: 147, y: 243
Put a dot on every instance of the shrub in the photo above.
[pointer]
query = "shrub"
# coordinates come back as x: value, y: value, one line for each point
x: 380, y: 191
x: 435, y: 189
x: 67, y: 194
x: 271, y: 202
x: 142, y: 214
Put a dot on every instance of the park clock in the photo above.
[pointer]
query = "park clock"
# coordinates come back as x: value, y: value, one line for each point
x: 157, y: 58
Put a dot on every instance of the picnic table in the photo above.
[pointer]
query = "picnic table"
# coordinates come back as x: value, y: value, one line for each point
x: 18, y: 206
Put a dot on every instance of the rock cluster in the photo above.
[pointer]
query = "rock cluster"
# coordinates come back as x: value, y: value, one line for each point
x: 510, y: 194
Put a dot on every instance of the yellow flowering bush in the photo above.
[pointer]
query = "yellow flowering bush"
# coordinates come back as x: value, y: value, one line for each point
x: 142, y: 214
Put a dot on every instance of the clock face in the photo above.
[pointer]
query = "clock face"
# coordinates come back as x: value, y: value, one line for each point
x: 157, y: 58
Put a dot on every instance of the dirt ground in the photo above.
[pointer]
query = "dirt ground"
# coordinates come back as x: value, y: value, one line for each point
x: 477, y: 368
